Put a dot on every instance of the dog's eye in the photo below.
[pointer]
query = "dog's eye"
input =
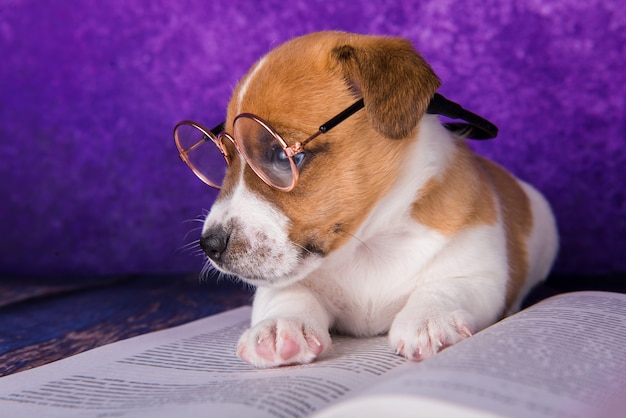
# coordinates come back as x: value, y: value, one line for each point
x: 279, y: 161
x: 298, y: 158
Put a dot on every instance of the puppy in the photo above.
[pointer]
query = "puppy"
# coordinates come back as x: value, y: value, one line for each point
x: 382, y: 221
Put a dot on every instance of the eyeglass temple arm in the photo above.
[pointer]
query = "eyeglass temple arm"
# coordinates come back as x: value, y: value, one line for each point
x: 480, y: 128
x: 218, y: 129
x: 355, y: 107
x: 342, y: 116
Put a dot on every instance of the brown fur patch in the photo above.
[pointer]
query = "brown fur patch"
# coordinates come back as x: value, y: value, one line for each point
x: 518, y: 222
x: 396, y: 83
x: 461, y: 197
x: 468, y: 194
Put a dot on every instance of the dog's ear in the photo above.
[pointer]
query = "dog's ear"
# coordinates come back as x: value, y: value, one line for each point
x: 396, y: 83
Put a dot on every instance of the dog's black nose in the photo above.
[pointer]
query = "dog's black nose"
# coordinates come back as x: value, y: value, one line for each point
x: 214, y: 243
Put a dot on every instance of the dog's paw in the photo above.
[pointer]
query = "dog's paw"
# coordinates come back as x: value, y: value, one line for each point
x: 273, y: 343
x: 420, y: 338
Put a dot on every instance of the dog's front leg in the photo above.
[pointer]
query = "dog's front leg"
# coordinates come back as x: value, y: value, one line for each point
x: 441, y: 313
x: 289, y: 326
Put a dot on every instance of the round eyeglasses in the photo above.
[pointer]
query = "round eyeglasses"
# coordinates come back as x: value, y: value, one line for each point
x: 264, y: 150
x: 272, y: 159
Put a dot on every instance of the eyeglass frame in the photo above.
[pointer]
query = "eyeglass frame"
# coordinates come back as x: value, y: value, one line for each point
x: 218, y: 134
x: 476, y: 127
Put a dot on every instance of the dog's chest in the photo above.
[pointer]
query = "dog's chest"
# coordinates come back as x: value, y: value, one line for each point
x: 365, y: 287
x: 364, y: 310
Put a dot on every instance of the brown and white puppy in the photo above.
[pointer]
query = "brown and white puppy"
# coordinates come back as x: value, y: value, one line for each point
x: 395, y: 226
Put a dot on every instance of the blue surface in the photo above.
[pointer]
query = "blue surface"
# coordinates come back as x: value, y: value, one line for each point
x: 62, y: 324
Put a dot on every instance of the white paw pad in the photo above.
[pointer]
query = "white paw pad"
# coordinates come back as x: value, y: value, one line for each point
x: 419, y: 340
x: 273, y: 343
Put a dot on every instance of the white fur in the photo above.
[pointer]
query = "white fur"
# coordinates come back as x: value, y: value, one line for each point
x: 244, y: 86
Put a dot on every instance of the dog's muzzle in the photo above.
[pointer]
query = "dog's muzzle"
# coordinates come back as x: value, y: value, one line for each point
x: 250, y: 253
x: 257, y: 256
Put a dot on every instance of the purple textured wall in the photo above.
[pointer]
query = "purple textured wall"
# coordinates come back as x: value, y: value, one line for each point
x: 89, y: 93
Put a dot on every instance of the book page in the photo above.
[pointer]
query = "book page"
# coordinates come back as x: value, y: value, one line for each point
x: 565, y: 357
x: 193, y: 370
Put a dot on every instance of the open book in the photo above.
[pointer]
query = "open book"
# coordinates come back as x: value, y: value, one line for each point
x: 565, y: 356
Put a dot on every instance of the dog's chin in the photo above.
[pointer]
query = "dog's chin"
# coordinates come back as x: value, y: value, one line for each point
x: 259, y: 277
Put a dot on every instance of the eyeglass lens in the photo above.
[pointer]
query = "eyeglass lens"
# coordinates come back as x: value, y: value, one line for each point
x: 264, y: 152
x: 202, y: 154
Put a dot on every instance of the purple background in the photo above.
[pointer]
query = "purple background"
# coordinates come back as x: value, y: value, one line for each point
x: 89, y: 92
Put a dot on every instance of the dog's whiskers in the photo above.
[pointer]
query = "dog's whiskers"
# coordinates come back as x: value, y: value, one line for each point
x: 306, y: 250
x: 194, y: 230
x: 198, y: 219
x: 193, y: 245
x: 209, y: 272
x: 207, y: 269
x: 360, y: 241
x: 190, y: 247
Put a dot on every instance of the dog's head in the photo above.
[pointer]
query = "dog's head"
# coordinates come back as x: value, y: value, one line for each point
x: 271, y: 237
